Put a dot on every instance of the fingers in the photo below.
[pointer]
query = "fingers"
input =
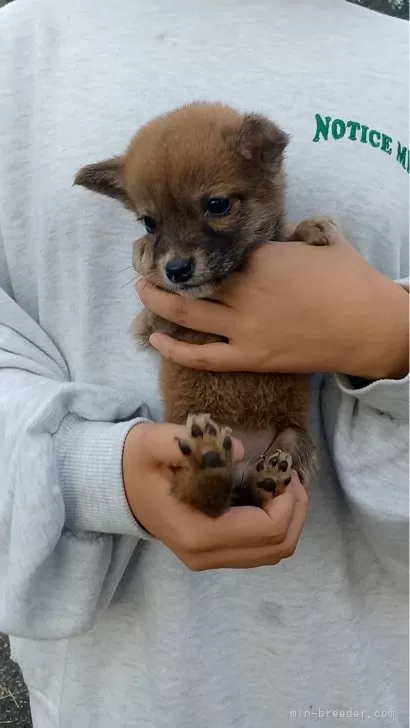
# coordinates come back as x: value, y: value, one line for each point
x: 243, y: 537
x: 251, y: 527
x: 243, y: 557
x: 199, y: 539
x: 216, y: 357
x: 191, y: 313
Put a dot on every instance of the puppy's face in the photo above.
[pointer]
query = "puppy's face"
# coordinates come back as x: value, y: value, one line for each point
x: 207, y: 184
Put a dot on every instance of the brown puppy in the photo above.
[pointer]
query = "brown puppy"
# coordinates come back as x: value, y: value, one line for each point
x: 207, y: 182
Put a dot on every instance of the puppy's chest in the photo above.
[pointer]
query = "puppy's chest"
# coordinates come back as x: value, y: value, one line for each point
x: 241, y: 400
x: 234, y: 399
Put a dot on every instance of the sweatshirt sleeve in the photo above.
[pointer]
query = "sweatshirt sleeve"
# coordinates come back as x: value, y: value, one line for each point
x: 371, y: 451
x: 66, y: 532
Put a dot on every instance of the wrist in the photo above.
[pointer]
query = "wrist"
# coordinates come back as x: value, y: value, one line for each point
x: 381, y: 342
x: 134, y: 466
x: 131, y: 453
x: 88, y: 462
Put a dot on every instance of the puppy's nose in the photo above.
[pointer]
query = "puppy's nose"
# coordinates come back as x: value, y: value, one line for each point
x: 179, y: 270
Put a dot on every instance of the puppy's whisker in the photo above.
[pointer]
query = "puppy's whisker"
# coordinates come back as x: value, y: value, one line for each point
x: 122, y: 270
x: 132, y: 280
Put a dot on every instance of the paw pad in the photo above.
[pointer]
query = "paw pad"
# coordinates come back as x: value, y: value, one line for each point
x: 207, y: 445
x: 272, y: 474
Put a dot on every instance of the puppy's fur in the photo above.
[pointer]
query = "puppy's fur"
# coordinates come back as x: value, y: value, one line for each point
x: 208, y: 183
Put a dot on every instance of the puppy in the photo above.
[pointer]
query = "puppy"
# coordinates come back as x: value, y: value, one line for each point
x: 207, y: 183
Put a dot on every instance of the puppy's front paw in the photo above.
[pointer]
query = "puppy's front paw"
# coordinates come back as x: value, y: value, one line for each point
x: 317, y: 231
x: 142, y: 327
x: 206, y: 481
x: 142, y: 256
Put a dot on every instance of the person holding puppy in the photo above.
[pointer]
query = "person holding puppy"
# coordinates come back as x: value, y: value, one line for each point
x: 124, y: 607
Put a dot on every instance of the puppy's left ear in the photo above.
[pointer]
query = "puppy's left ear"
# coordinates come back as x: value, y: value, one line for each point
x: 105, y: 177
x: 259, y: 141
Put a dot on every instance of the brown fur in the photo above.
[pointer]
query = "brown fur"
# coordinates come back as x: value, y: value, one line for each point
x: 171, y: 168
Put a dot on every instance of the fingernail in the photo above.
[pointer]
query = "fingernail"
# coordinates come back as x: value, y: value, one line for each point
x: 239, y: 450
x: 153, y: 340
x: 140, y: 286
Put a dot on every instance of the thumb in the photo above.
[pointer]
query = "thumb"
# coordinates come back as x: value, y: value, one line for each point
x: 158, y: 444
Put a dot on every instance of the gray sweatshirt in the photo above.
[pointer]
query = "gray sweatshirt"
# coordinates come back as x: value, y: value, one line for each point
x: 109, y: 627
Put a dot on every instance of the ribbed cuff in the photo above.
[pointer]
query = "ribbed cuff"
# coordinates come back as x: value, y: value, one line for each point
x: 388, y: 396
x: 89, y: 466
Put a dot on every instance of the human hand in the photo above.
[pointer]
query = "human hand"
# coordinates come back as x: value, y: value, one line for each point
x: 296, y: 308
x: 243, y: 537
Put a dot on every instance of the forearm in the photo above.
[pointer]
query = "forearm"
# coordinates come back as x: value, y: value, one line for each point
x: 380, y: 342
x: 61, y: 501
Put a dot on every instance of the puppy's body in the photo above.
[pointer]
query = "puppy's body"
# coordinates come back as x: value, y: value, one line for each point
x: 208, y: 184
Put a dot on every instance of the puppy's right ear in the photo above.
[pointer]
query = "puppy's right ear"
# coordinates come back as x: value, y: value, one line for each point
x: 259, y: 141
x: 105, y: 177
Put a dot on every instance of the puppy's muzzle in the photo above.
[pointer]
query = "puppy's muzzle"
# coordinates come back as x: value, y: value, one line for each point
x: 179, y: 270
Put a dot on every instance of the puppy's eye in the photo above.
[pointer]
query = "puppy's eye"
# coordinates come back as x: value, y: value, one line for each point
x: 150, y: 224
x: 217, y: 206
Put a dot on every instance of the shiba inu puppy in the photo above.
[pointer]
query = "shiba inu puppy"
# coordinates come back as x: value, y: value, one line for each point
x: 207, y: 183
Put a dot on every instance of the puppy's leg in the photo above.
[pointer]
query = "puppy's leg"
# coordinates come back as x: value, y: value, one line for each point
x: 142, y: 327
x: 205, y: 483
x: 292, y: 450
x: 145, y: 323
x: 316, y: 231
x: 297, y: 442
x: 142, y: 260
